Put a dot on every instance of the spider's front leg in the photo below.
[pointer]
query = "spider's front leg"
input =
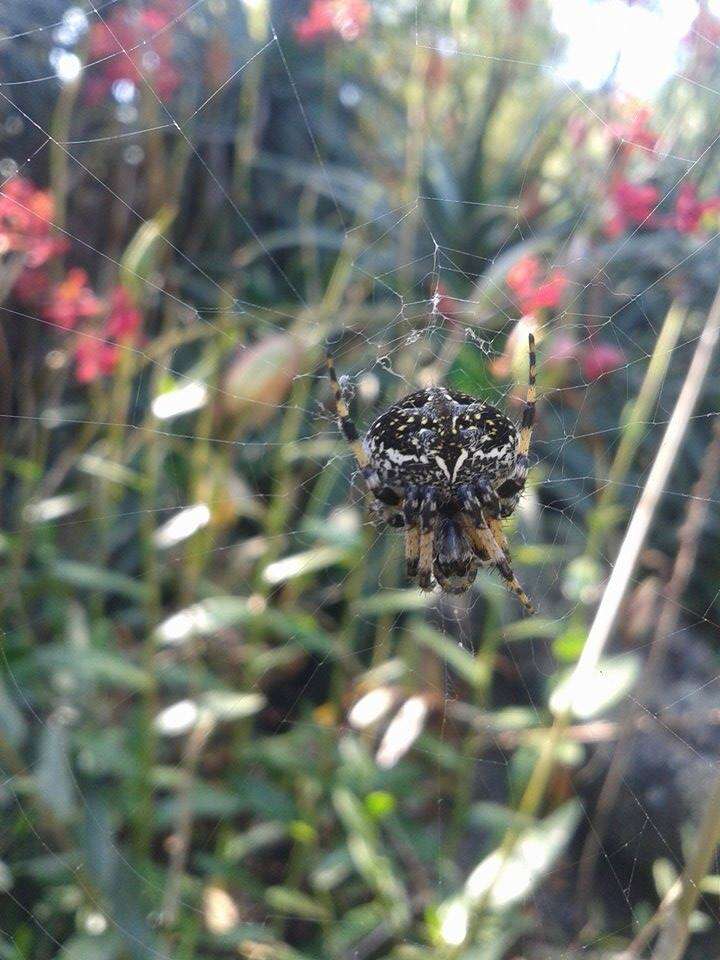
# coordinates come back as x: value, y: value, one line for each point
x: 487, y: 500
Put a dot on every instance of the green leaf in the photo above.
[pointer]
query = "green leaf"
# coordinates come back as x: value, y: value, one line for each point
x: 12, y: 723
x: 461, y: 660
x: 293, y: 904
x: 300, y: 564
x: 505, y: 878
x: 354, y: 925
x: 52, y: 775
x: 392, y: 601
x: 84, y: 946
x: 91, y: 665
x: 241, y: 845
x: 138, y: 262
x: 203, y: 619
x: 228, y: 705
x: 53, y: 508
x: 664, y: 875
x: 85, y: 576
x: 367, y: 855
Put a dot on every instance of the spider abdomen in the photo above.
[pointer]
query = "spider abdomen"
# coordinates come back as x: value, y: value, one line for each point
x: 443, y: 437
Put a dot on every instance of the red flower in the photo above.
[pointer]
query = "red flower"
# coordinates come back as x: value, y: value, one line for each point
x: 635, y: 132
x: 562, y: 348
x: 532, y: 292
x: 26, y: 222
x: 518, y: 8
x: 346, y: 19
x: 631, y: 204
x: 124, y: 319
x: 94, y: 359
x: 32, y: 287
x: 132, y: 45
x: 689, y: 209
x: 600, y: 359
x: 99, y: 355
x: 72, y: 300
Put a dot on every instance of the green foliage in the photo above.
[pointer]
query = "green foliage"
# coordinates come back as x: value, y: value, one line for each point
x: 193, y: 763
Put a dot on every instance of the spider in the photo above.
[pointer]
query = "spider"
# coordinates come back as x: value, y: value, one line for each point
x: 446, y: 468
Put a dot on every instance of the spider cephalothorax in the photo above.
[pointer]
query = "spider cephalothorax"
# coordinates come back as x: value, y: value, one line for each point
x: 446, y: 467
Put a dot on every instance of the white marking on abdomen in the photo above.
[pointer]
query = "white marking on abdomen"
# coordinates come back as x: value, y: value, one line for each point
x: 443, y: 466
x: 458, y: 463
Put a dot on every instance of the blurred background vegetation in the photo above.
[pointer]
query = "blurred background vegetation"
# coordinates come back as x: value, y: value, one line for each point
x: 228, y: 726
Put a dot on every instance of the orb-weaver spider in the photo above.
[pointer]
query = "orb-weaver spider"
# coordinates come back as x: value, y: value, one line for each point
x: 447, y: 468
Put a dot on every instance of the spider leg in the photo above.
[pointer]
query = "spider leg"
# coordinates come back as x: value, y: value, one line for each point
x: 491, y: 507
x: 483, y: 540
x: 499, y: 534
x: 386, y: 495
x: 411, y: 511
x: 509, y: 491
x: 348, y: 428
x: 428, y: 512
x: 528, y: 417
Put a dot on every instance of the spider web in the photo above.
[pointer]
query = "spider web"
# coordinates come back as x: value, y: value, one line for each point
x: 298, y: 597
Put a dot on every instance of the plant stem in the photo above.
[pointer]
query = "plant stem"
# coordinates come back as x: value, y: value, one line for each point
x: 636, y: 422
x: 616, y: 586
x: 675, y: 927
x: 688, y: 542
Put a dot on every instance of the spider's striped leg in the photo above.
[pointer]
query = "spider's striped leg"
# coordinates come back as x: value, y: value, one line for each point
x: 386, y: 495
x: 509, y: 491
x: 491, y: 509
x: 483, y: 540
x: 528, y: 416
x: 428, y: 514
x: 411, y: 511
x: 485, y: 543
x: 348, y: 428
x: 499, y: 534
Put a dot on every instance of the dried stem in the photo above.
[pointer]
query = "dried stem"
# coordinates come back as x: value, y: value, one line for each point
x: 645, y: 510
x: 617, y: 584
x: 688, y: 541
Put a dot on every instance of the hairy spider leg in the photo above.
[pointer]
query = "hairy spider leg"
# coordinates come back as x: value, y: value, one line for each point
x: 484, y: 541
x: 490, y: 504
x: 428, y: 513
x: 386, y: 495
x: 348, y: 428
x: 499, y: 535
x: 411, y: 510
x: 510, y: 490
x: 486, y: 544
x: 528, y: 416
